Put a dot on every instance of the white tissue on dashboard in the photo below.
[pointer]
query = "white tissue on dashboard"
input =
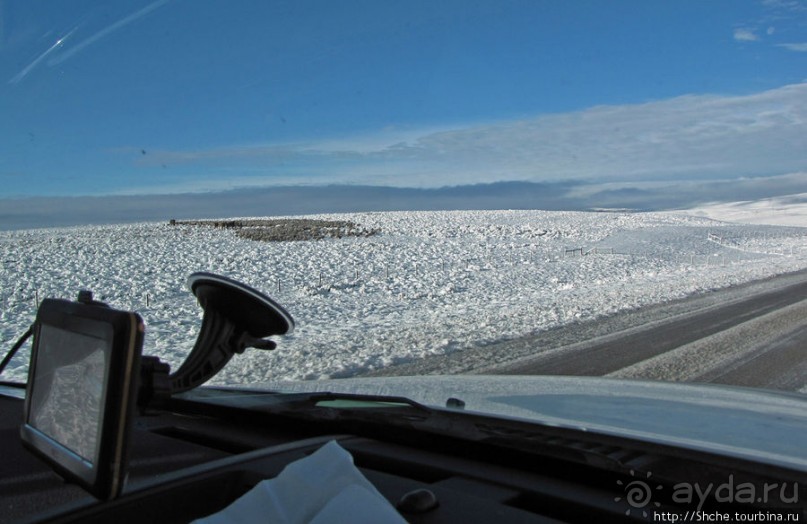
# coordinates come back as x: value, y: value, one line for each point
x: 324, y: 487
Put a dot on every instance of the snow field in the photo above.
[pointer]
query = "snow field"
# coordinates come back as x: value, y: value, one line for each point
x: 431, y: 283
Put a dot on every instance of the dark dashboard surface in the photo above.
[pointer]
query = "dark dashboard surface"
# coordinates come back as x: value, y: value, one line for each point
x: 188, y: 462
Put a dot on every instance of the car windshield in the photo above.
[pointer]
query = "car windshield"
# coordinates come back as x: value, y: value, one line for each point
x: 611, y: 189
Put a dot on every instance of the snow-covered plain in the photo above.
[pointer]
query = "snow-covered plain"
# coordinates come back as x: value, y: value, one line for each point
x: 431, y: 283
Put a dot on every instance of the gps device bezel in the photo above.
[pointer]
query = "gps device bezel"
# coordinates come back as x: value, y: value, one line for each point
x: 120, y: 335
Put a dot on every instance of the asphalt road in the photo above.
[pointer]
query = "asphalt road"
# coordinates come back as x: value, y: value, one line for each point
x: 758, y: 340
x: 780, y: 364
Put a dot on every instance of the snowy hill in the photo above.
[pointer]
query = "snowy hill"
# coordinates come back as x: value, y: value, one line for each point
x: 790, y: 210
x: 428, y: 283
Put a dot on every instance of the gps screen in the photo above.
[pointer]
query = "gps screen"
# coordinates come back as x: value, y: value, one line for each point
x: 68, y: 392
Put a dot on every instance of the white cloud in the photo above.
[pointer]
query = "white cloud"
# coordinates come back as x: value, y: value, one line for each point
x: 688, y: 137
x: 745, y: 35
x: 800, y: 47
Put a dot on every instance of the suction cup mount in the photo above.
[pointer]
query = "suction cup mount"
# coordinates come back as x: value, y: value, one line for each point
x: 236, y: 317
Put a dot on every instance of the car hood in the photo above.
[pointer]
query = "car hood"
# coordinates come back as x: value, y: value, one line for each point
x: 760, y: 425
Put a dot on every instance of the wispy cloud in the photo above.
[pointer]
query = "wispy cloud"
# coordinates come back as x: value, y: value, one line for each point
x: 799, y: 48
x: 745, y: 35
x: 55, y: 46
x: 58, y: 52
x: 695, y: 136
x: 106, y: 32
x: 777, y: 21
x: 786, y: 5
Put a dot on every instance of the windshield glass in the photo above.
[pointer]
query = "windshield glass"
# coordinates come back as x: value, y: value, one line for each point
x: 613, y: 189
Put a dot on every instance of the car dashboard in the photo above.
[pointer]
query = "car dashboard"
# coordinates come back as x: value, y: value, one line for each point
x: 192, y: 458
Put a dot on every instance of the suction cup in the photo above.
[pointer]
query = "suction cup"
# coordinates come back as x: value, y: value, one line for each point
x: 236, y: 317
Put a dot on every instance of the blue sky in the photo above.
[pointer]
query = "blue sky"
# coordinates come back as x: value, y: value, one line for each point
x: 177, y: 96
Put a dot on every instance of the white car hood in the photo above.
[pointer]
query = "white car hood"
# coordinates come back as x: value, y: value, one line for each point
x: 764, y: 426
